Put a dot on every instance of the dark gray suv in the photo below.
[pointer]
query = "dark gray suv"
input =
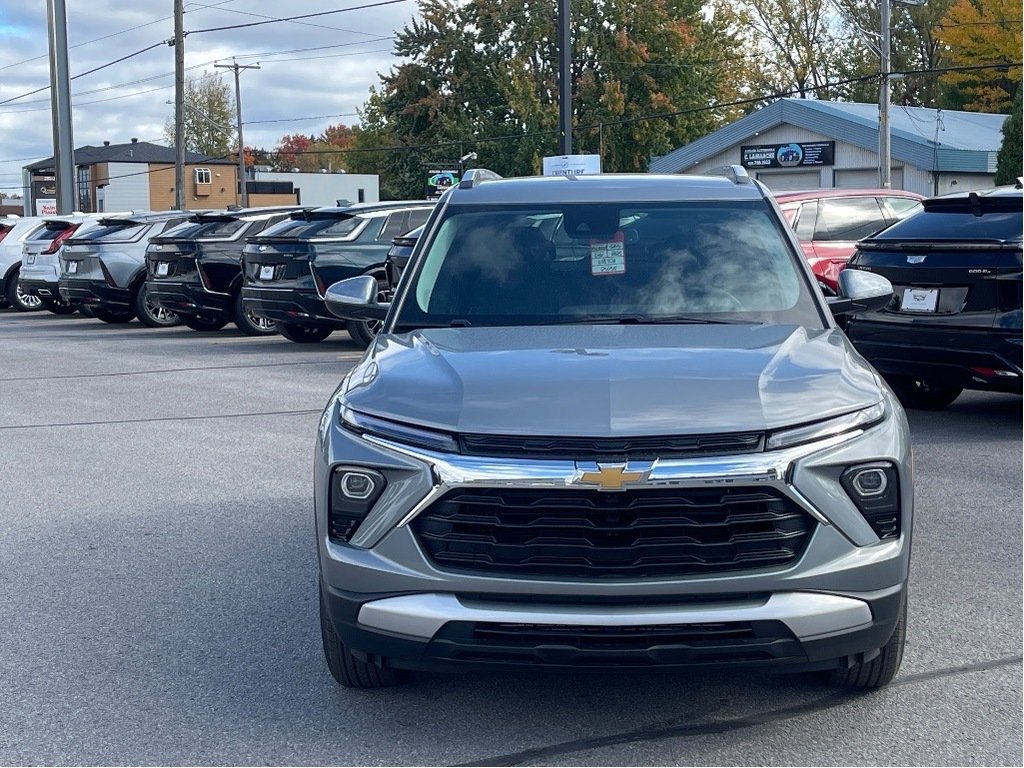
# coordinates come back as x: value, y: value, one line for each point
x: 610, y: 422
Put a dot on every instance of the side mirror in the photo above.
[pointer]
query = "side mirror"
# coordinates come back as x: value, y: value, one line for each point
x: 860, y: 292
x: 356, y: 299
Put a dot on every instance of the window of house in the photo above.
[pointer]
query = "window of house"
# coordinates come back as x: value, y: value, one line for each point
x: 85, y: 188
x: 203, y: 176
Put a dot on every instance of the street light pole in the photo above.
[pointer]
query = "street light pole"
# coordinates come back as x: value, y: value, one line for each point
x: 60, y: 106
x: 243, y: 196
x: 884, y: 151
x: 179, y: 105
x: 564, y: 79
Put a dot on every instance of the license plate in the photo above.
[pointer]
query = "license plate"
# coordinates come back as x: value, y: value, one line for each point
x: 267, y: 272
x: 920, y: 299
x: 72, y: 267
x: 162, y: 268
x: 30, y: 258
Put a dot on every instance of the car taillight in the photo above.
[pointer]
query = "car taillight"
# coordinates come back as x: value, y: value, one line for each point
x: 107, y: 277
x: 4, y: 231
x: 56, y: 242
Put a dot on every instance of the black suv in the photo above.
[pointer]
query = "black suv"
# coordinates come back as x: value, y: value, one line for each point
x: 955, y: 321
x: 195, y: 269
x: 289, y: 266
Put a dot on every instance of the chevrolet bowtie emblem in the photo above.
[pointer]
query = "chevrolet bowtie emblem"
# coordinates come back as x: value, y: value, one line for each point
x: 611, y: 477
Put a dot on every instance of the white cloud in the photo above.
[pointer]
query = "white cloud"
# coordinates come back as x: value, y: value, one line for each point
x: 289, y: 85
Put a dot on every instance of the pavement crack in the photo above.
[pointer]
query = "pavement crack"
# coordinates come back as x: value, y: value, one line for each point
x: 660, y: 732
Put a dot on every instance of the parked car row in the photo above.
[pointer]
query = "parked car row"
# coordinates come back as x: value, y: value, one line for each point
x: 196, y: 268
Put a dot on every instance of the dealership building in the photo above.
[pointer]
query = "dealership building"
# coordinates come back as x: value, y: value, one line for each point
x: 807, y: 144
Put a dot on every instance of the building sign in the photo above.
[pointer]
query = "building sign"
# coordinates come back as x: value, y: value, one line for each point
x: 44, y: 194
x: 572, y: 165
x: 788, y: 155
x: 438, y: 182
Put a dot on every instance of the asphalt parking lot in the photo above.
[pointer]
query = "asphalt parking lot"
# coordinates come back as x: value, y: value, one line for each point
x: 158, y: 600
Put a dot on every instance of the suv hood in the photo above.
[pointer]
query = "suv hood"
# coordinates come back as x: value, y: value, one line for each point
x: 611, y: 380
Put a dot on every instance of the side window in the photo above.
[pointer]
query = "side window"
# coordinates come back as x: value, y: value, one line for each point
x: 396, y: 225
x: 805, y: 221
x: 203, y: 176
x: 848, y: 218
x: 417, y: 218
x: 903, y: 206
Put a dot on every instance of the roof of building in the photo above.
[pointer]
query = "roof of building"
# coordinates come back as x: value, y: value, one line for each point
x: 935, y: 140
x: 132, y: 152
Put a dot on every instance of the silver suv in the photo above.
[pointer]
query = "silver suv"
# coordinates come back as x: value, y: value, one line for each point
x: 610, y: 422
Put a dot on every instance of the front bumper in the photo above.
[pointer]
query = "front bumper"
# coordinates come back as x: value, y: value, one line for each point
x: 94, y: 293
x: 288, y: 305
x: 953, y: 357
x: 841, y: 598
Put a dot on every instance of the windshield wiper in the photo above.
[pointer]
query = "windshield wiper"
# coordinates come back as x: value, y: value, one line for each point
x: 649, y: 320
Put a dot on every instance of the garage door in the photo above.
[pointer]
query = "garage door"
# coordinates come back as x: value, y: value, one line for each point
x: 788, y: 181
x: 865, y: 178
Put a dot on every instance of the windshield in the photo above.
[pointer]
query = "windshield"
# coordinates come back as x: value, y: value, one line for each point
x: 205, y: 229
x: 657, y: 262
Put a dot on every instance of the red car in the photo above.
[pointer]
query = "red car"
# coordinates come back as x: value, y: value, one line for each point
x: 829, y: 222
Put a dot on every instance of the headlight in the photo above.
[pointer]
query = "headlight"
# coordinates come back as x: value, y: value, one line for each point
x: 820, y: 430
x: 354, y: 491
x: 401, y: 433
x: 875, y: 489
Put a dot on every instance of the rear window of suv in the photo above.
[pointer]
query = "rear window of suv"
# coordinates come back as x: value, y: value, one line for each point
x: 206, y: 229
x: 637, y: 262
x: 343, y: 226
x: 958, y: 225
x: 120, y: 232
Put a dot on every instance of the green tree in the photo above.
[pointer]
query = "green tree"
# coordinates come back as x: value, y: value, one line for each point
x: 482, y: 76
x: 209, y: 117
x: 1008, y: 162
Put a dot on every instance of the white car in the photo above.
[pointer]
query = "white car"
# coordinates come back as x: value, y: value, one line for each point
x: 13, y: 231
x: 40, y: 257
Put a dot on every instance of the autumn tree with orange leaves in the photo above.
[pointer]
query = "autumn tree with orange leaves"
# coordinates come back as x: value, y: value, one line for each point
x: 983, y: 32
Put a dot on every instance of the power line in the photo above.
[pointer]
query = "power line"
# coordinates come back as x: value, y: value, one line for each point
x: 274, y: 18
x: 296, y: 18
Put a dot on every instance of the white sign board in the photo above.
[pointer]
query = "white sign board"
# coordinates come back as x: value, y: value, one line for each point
x: 46, y: 207
x: 572, y: 165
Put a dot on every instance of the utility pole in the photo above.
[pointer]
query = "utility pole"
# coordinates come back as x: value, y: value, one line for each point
x: 884, y: 152
x: 60, y: 106
x: 179, y: 105
x: 243, y: 193
x: 564, y: 79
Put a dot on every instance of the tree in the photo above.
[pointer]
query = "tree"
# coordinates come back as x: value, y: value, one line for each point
x: 209, y: 117
x: 794, y: 46
x: 1008, y: 162
x: 315, y: 153
x: 482, y: 76
x: 984, y: 32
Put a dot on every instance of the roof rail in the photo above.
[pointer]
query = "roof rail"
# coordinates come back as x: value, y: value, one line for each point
x: 475, y: 176
x: 737, y: 174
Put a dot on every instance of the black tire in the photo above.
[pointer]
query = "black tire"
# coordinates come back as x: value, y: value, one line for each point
x: 113, y: 316
x: 363, y: 332
x: 303, y: 334
x: 197, y: 323
x: 250, y: 324
x: 85, y: 310
x: 17, y: 298
x: 922, y: 395
x: 149, y: 314
x: 59, y: 307
x: 346, y: 668
x: 880, y: 671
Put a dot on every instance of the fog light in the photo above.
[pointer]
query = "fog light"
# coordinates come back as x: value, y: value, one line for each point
x: 874, y: 488
x: 357, y: 485
x: 354, y: 491
x: 870, y: 482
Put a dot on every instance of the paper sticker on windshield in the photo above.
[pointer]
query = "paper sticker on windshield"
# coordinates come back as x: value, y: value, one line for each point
x: 608, y: 257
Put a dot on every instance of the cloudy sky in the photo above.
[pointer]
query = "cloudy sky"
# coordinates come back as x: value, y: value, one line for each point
x: 128, y: 99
